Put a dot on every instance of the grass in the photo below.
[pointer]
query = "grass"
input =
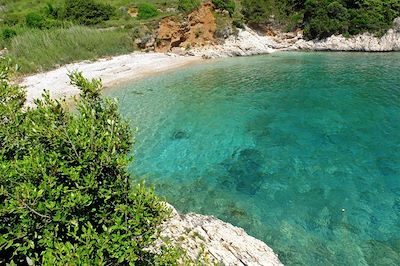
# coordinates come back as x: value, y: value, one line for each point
x: 39, y: 50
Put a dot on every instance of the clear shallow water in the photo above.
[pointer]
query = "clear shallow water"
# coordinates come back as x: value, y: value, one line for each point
x: 300, y: 149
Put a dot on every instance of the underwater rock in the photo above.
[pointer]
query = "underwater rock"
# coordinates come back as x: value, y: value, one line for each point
x: 245, y: 169
x: 386, y: 166
x: 179, y: 134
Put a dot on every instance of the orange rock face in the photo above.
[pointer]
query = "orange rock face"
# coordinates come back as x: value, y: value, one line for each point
x: 196, y: 29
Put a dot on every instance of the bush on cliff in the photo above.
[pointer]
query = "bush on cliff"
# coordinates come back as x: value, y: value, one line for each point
x: 147, y: 11
x: 188, y: 5
x: 66, y: 196
x: 86, y: 12
x: 322, y: 18
x: 228, y: 5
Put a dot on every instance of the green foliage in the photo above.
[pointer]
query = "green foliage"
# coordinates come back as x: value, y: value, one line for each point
x: 330, y: 18
x: 322, y: 18
x: 86, y: 12
x: 8, y: 33
x: 66, y: 195
x: 228, y: 5
x: 38, y: 50
x: 188, y: 5
x: 325, y: 18
x: 147, y: 11
x: 35, y: 20
x: 277, y: 11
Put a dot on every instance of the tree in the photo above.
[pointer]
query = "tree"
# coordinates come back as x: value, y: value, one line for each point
x: 66, y: 195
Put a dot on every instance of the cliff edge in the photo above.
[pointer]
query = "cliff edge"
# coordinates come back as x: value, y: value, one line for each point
x: 215, y: 241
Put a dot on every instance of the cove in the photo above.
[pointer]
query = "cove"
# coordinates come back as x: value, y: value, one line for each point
x: 302, y: 150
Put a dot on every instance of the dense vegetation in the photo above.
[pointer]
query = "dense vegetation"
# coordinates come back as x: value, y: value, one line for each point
x: 42, y: 34
x: 322, y: 18
x: 66, y: 195
x: 35, y: 29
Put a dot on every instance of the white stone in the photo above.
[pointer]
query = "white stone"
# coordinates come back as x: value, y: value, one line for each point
x: 220, y: 242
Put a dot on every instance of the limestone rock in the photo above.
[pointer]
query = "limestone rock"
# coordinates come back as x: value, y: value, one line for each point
x: 364, y: 42
x: 249, y: 42
x: 396, y: 24
x: 246, y: 42
x: 218, y: 241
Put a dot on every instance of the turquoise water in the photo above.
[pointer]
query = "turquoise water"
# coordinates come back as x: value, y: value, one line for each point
x: 300, y: 149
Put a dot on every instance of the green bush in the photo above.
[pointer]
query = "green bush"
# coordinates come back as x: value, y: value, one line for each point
x: 322, y: 18
x: 66, y: 195
x: 228, y: 5
x: 147, y: 11
x: 188, y: 5
x: 325, y: 19
x: 8, y: 33
x: 86, y: 12
x: 35, y: 20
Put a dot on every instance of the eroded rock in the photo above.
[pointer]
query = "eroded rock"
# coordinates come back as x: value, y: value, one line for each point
x: 196, y: 29
x: 216, y: 241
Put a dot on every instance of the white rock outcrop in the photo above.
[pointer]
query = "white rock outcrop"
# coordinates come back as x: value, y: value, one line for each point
x: 244, y: 43
x: 217, y: 241
x: 364, y: 42
x: 248, y: 42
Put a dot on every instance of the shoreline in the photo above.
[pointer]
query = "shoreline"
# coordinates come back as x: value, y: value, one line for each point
x: 239, y: 248
x: 112, y: 72
x: 117, y: 70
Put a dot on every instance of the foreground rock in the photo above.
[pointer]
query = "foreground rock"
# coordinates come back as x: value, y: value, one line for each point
x: 216, y: 241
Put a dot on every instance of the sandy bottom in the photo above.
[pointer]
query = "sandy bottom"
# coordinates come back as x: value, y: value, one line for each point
x: 111, y: 71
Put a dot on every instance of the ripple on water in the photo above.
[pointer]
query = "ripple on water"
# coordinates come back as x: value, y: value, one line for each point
x: 300, y: 149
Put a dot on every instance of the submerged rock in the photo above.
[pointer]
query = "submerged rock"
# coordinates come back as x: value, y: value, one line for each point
x: 212, y: 241
x: 180, y: 134
x: 245, y: 170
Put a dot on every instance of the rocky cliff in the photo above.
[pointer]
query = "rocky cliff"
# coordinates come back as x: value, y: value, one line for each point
x: 203, y: 33
x: 215, y: 241
x: 196, y: 29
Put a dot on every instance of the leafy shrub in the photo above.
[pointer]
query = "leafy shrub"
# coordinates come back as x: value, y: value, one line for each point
x: 52, y: 11
x: 330, y: 18
x: 86, y: 12
x: 147, y: 11
x: 66, y: 195
x: 35, y: 20
x: 322, y: 18
x: 188, y: 5
x: 8, y: 33
x: 228, y: 5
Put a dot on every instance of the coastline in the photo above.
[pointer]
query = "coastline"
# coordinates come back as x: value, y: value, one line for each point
x: 248, y: 42
x: 124, y: 68
x: 112, y: 71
